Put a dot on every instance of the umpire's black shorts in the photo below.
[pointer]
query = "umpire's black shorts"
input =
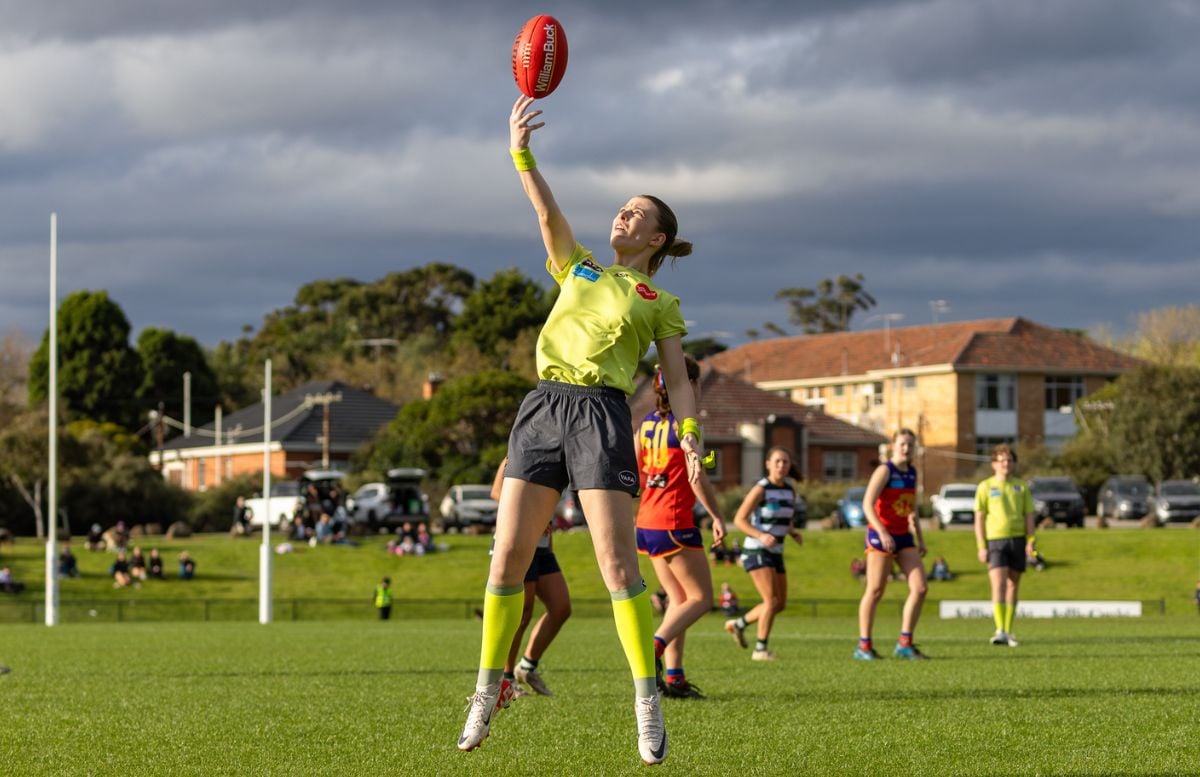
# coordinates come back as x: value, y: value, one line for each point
x: 1008, y: 552
x: 577, y: 435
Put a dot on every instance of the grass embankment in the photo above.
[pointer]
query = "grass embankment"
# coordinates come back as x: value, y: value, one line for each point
x: 1085, y: 564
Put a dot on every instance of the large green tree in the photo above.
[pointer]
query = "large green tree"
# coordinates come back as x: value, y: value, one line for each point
x: 1154, y: 424
x: 99, y: 373
x: 459, y: 435
x: 500, y: 309
x: 166, y: 356
x: 829, y: 306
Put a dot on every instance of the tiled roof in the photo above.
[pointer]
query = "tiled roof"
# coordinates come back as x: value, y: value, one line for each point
x: 356, y: 419
x: 727, y: 402
x: 1014, y: 343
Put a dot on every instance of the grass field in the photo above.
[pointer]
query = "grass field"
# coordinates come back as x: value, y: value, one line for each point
x: 1101, y: 697
x: 360, y: 697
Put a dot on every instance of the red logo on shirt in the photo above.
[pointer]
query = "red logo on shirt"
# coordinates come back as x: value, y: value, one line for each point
x: 646, y: 291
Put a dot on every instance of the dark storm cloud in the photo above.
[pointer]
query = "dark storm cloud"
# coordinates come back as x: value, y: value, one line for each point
x: 1016, y: 157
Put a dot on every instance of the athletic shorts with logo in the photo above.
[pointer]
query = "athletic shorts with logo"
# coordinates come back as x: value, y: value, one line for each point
x: 578, y: 435
x: 757, y: 559
x: 1008, y: 552
x: 656, y: 543
x: 874, y: 542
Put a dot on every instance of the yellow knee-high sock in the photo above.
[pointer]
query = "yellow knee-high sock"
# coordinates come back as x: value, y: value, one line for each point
x: 998, y: 615
x: 635, y: 627
x: 501, y: 616
x: 1010, y: 612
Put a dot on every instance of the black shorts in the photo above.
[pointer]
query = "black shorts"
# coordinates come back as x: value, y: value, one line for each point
x: 577, y: 435
x: 757, y: 559
x: 544, y: 563
x: 1009, y: 552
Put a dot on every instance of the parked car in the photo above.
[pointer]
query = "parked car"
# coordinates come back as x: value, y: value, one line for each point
x: 850, y: 509
x: 369, y: 503
x: 1057, y: 498
x: 954, y: 503
x: 468, y: 506
x: 568, y: 512
x: 279, y: 509
x: 286, y: 495
x: 1124, y: 496
x: 1176, y: 500
x: 406, y: 500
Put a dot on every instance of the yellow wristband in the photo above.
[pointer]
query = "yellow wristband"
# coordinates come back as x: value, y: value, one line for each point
x: 981, y: 545
x: 1031, y: 539
x: 523, y: 159
x: 691, y: 426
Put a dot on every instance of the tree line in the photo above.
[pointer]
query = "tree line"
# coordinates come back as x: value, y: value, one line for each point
x: 479, y: 336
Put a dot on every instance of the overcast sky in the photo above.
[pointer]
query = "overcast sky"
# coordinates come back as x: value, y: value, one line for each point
x: 1014, y: 157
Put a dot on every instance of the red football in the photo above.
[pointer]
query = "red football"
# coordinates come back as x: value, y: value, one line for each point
x: 539, y: 56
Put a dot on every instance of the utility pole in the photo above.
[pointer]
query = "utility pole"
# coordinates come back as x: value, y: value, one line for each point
x: 325, y: 400
x: 378, y: 344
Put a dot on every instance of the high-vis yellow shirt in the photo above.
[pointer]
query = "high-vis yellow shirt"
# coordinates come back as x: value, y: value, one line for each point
x: 1004, y: 506
x: 603, y: 323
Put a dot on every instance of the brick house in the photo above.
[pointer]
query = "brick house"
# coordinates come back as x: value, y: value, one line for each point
x: 963, y: 386
x: 302, y: 419
x: 741, y: 422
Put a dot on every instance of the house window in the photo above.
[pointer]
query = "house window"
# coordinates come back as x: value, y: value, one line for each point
x: 839, y: 390
x: 812, y: 396
x: 984, y: 445
x: 839, y: 465
x: 1063, y: 391
x: 995, y: 392
x: 877, y: 394
x: 200, y: 473
x: 909, y: 382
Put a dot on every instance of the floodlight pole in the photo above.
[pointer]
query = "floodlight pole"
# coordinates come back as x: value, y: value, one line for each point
x: 264, y: 552
x: 52, y: 464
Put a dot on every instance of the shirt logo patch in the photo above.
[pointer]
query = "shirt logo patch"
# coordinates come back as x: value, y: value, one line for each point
x: 646, y: 291
x: 994, y: 492
x: 627, y: 478
x: 582, y: 270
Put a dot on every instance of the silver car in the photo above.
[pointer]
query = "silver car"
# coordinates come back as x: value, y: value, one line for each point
x: 955, y: 503
x: 1176, y: 500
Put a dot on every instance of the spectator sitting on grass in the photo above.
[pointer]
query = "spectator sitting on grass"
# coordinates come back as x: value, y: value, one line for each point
x: 7, y: 584
x: 941, y: 570
x: 155, y: 564
x: 95, y: 538
x: 300, y: 532
x: 187, y: 566
x: 120, y: 571
x: 858, y: 568
x: 424, y: 538
x: 137, y: 564
x: 68, y: 565
x: 324, y: 533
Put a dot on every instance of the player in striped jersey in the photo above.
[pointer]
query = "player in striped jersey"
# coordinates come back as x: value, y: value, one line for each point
x: 893, y: 534
x: 765, y: 517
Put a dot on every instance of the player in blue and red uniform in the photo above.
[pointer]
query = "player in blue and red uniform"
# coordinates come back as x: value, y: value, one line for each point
x: 667, y: 532
x: 893, y: 535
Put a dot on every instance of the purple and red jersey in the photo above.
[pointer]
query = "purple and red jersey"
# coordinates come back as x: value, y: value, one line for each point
x: 898, y: 499
x: 667, y: 496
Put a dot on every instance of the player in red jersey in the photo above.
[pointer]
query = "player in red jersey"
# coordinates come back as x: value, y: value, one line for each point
x: 667, y: 532
x: 893, y: 534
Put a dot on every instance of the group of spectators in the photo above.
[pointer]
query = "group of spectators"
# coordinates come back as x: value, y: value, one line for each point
x: 319, y: 518
x: 130, y: 567
x: 412, y: 541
